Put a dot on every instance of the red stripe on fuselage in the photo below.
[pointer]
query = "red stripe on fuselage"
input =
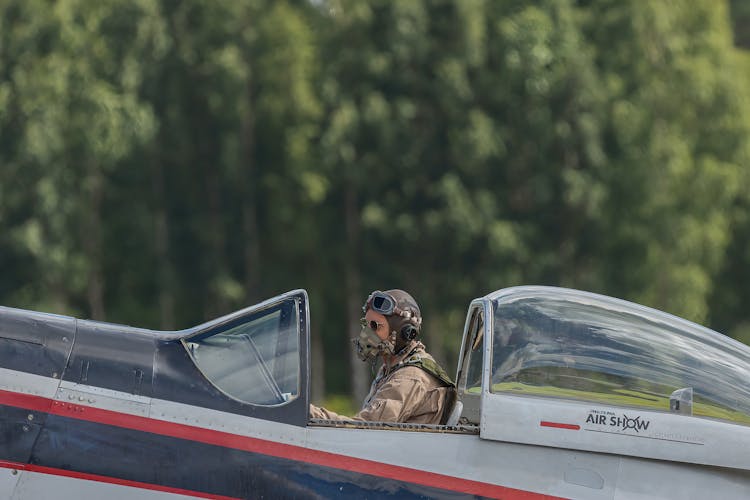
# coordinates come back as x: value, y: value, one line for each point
x: 558, y: 425
x: 270, y: 448
x: 27, y: 401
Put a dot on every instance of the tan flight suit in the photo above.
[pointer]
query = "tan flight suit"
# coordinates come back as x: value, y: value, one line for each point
x: 405, y: 393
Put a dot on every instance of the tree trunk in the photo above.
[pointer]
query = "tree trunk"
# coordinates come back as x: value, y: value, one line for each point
x: 317, y: 358
x: 92, y: 244
x: 218, y: 303
x: 358, y: 371
x: 429, y: 287
x: 250, y: 231
x: 161, y: 247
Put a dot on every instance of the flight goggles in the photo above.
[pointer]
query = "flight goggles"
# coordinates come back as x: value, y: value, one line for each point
x: 383, y: 303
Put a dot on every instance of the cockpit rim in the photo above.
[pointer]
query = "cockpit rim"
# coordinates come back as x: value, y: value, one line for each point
x: 525, y: 291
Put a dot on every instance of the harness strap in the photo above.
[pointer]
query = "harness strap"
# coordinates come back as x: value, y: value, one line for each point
x: 430, y: 366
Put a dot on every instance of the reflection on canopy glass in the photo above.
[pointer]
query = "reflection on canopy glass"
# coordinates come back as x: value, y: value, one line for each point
x: 254, y: 360
x: 592, y: 348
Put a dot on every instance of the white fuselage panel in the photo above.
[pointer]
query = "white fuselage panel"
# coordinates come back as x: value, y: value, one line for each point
x: 419, y: 457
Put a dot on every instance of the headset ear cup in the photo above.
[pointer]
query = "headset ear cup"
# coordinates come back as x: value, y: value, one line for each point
x: 409, y: 332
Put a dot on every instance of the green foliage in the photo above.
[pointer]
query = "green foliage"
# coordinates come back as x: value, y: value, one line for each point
x: 166, y: 162
x: 681, y: 164
x: 341, y: 404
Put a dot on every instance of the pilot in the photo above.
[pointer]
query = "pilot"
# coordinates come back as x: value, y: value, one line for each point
x: 410, y: 385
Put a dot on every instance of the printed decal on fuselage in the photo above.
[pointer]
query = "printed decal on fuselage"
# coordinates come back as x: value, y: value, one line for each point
x: 622, y: 422
x: 633, y: 424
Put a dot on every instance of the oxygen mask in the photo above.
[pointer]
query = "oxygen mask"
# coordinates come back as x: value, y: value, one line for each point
x: 369, y: 345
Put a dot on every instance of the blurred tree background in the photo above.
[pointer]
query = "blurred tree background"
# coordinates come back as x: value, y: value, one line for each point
x: 164, y: 162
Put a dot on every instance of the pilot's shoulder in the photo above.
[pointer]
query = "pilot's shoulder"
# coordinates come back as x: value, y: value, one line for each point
x: 417, y: 371
x: 424, y: 362
x: 409, y: 371
x: 404, y: 380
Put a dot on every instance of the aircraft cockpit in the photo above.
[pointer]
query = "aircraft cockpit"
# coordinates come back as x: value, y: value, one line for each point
x: 254, y: 359
x: 554, y: 344
x: 583, y: 371
x: 560, y: 392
